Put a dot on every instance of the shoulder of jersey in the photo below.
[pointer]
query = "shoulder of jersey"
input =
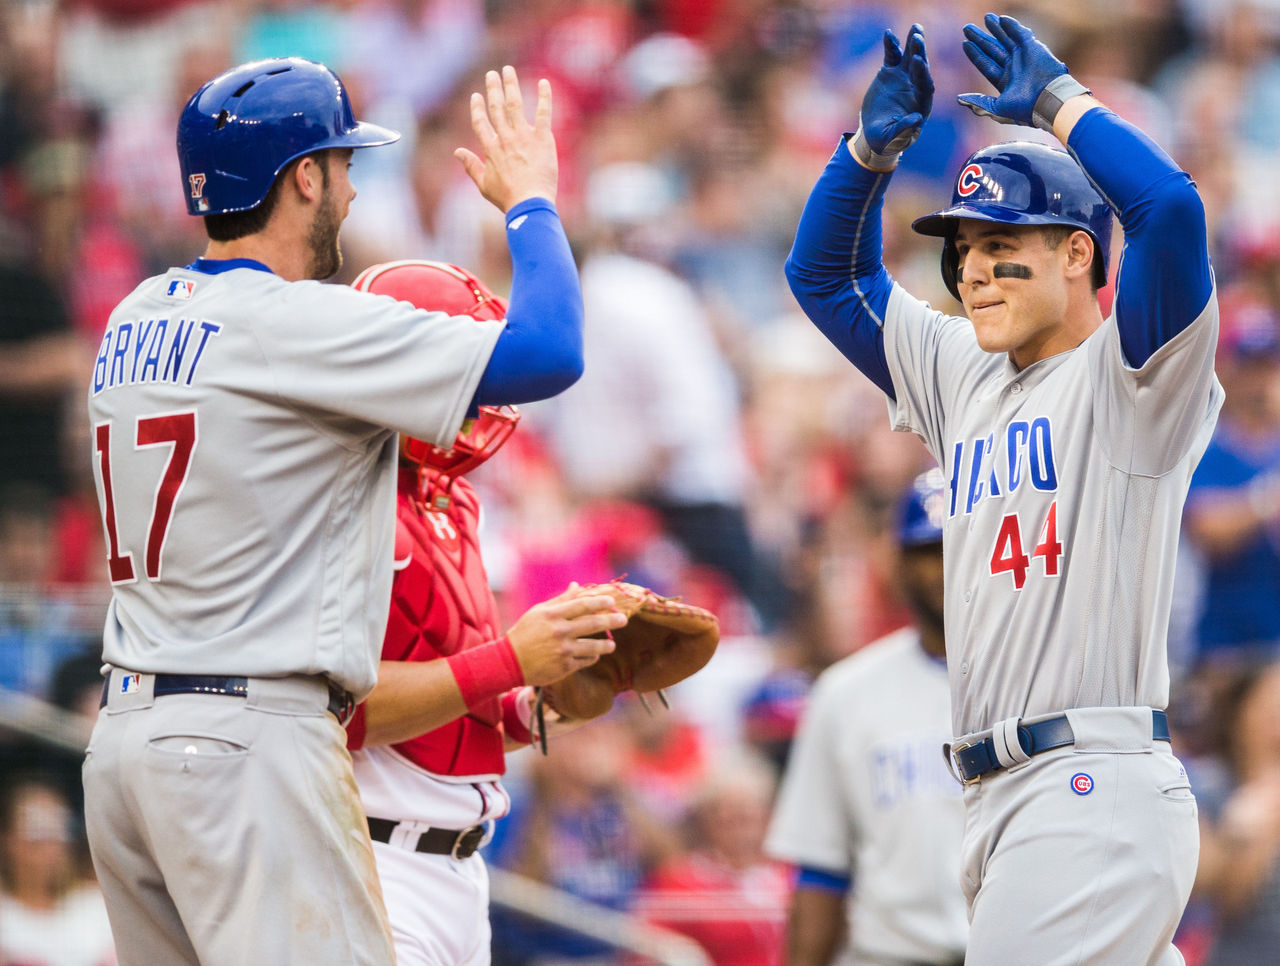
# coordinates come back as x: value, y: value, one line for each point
x: 867, y: 661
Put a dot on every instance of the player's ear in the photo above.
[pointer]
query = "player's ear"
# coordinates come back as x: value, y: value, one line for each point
x: 1078, y: 250
x: 308, y: 177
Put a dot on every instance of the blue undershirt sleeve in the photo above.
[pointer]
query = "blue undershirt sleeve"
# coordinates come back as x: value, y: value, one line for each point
x: 822, y: 880
x: 835, y: 268
x: 1164, y: 279
x: 539, y: 352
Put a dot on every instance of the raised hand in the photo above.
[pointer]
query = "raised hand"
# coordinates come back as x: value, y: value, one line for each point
x: 519, y: 158
x: 1031, y: 81
x: 897, y: 102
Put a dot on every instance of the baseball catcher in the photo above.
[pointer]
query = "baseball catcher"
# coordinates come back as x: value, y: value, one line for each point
x: 454, y: 692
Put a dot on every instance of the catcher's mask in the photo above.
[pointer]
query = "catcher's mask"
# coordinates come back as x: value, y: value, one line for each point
x: 442, y: 287
x: 1021, y: 183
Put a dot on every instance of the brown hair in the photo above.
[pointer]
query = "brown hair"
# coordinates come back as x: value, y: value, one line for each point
x: 239, y: 224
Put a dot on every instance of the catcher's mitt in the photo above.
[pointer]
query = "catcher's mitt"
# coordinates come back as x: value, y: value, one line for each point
x: 662, y: 643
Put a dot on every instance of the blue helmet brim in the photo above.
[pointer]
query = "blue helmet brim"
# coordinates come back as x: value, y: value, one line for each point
x: 363, y: 135
x: 942, y: 224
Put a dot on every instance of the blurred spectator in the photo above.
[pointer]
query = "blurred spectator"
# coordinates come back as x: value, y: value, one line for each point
x: 535, y: 538
x: 725, y: 893
x: 39, y: 628
x: 735, y: 234
x: 51, y: 913
x: 666, y: 90
x: 1239, y: 873
x: 442, y: 39
x: 35, y: 105
x: 656, y: 416
x: 419, y: 203
x: 669, y: 758
x: 312, y: 29
x: 112, y: 52
x: 867, y: 811
x: 1228, y: 78
x: 827, y: 471
x: 771, y: 713
x: 1233, y: 508
x: 580, y: 827
x: 137, y: 171
x: 40, y: 367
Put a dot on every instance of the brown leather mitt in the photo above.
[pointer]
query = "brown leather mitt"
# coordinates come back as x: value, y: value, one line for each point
x: 662, y: 643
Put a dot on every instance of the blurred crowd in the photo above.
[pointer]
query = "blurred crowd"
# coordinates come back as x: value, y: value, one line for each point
x: 717, y: 448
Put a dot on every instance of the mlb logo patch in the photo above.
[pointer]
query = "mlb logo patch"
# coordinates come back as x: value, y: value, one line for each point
x: 181, y: 289
x: 131, y: 684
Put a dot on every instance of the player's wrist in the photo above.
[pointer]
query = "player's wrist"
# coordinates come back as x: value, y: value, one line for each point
x: 540, y: 194
x: 1050, y: 100
x: 869, y: 158
x: 517, y: 715
x: 485, y: 672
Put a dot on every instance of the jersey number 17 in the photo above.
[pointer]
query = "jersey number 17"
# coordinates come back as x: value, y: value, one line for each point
x: 176, y: 430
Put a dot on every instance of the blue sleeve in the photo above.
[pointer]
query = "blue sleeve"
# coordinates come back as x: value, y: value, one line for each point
x: 1164, y: 279
x: 821, y: 880
x: 835, y: 268
x: 539, y: 352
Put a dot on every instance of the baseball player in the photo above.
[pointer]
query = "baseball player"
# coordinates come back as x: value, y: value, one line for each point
x: 1068, y: 441
x: 867, y: 811
x: 428, y: 745
x: 245, y: 422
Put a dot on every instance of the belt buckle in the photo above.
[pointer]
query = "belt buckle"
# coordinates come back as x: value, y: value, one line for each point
x: 959, y: 768
x: 467, y: 837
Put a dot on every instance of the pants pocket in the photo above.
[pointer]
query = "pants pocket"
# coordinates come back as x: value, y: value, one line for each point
x: 202, y: 745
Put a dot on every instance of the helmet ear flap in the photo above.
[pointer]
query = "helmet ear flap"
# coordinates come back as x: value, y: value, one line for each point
x: 951, y: 266
x: 1099, y: 266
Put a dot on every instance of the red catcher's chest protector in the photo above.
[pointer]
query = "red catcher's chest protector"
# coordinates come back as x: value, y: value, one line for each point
x: 441, y: 604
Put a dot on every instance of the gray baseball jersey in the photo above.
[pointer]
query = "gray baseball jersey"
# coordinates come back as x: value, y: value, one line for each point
x: 241, y: 382
x: 1067, y: 481
x: 867, y: 794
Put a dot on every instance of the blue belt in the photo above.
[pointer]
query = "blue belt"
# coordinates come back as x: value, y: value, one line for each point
x: 974, y: 761
x: 341, y: 704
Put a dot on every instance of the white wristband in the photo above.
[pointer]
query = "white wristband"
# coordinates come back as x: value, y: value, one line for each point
x: 861, y: 150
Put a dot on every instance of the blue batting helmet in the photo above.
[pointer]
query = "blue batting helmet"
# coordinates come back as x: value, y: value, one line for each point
x: 1022, y: 183
x: 922, y: 510
x: 241, y: 128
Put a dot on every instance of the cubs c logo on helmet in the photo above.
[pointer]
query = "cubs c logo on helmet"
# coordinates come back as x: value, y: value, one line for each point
x: 969, y: 181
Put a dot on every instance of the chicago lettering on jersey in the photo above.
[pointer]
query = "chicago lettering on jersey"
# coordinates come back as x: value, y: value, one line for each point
x: 1020, y: 455
x: 906, y: 770
x: 152, y: 350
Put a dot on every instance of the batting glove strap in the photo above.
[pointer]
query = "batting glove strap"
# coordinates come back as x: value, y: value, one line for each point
x: 1056, y: 93
x: 868, y: 158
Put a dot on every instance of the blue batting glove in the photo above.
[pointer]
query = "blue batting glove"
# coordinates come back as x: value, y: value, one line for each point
x: 1032, y: 82
x: 897, y: 102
